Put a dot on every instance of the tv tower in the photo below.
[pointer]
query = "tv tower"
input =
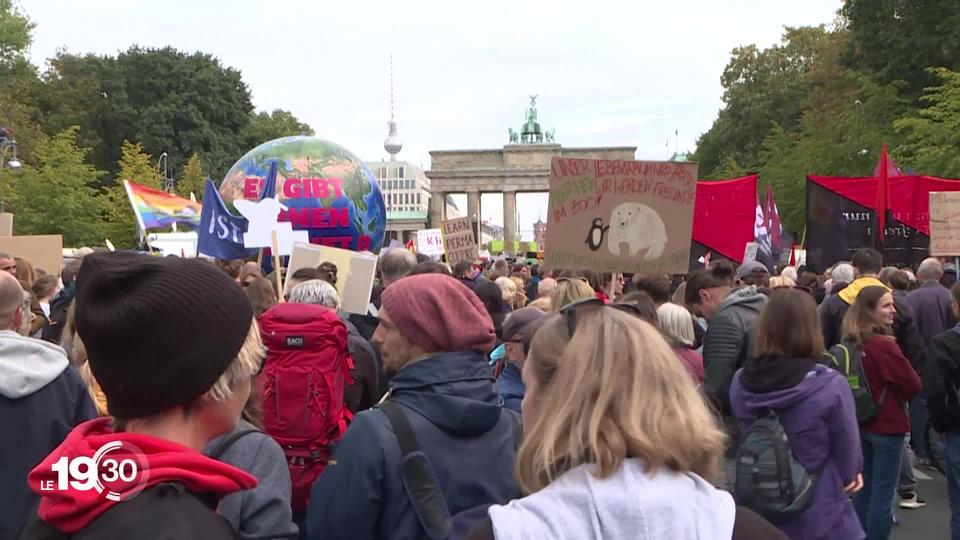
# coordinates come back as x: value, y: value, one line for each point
x: 392, y: 144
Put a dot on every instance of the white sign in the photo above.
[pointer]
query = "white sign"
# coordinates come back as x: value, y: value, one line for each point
x: 262, y: 217
x: 750, y: 252
x: 179, y: 244
x: 430, y: 243
x: 355, y: 272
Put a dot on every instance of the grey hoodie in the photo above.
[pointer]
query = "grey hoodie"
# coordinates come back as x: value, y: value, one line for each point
x: 27, y: 364
x: 264, y: 511
x: 727, y: 344
x: 631, y: 504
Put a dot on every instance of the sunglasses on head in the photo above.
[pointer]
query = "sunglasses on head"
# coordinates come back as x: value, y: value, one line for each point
x: 569, y: 311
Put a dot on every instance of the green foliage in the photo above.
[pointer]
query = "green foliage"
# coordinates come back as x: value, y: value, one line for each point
x: 57, y: 196
x: 264, y: 127
x: 136, y: 166
x: 933, y: 144
x: 192, y: 180
x: 15, y: 34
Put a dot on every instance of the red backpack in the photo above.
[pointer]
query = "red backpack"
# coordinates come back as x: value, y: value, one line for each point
x: 308, y: 364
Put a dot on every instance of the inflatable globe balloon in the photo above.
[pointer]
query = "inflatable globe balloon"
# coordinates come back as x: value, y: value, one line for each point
x: 328, y: 192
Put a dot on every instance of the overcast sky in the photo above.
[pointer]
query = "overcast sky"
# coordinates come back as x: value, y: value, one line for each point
x: 616, y: 73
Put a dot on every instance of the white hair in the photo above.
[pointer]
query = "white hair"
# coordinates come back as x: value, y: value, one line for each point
x: 546, y: 287
x: 842, y: 273
x: 507, y: 287
x: 316, y: 291
x: 790, y: 272
x: 676, y: 323
x: 930, y: 270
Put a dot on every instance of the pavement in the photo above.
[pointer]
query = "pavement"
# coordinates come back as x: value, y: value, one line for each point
x: 932, y: 521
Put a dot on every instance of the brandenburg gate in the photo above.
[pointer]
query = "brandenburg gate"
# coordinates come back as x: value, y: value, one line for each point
x: 521, y: 165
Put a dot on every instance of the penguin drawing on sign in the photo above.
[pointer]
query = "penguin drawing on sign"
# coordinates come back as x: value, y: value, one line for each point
x: 595, y: 234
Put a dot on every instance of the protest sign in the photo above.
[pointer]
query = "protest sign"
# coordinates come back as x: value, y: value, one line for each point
x: 44, y: 252
x: 355, y: 272
x: 750, y: 252
x: 430, y: 243
x: 945, y: 224
x: 458, y: 240
x: 620, y: 216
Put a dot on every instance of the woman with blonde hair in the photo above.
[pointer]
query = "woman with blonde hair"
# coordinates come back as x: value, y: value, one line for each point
x: 511, y: 294
x: 570, y: 289
x: 676, y: 323
x: 617, y: 441
x: 781, y: 281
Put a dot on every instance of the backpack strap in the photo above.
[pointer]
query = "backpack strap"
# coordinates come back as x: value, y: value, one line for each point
x: 228, y: 441
x: 401, y: 427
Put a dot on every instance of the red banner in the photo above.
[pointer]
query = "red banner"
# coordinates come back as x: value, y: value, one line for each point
x: 724, y: 214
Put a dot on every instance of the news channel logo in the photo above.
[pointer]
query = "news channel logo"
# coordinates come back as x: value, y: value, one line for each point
x: 118, y: 470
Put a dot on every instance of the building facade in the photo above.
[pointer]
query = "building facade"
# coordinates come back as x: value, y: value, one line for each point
x: 540, y: 234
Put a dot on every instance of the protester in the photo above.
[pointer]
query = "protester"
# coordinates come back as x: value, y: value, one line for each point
x: 731, y: 314
x: 753, y: 273
x: 842, y: 275
x: 597, y: 461
x: 892, y: 382
x: 790, y: 272
x: 77, y: 354
x: 512, y: 295
x: 435, y: 335
x: 815, y: 408
x: 394, y: 264
x: 949, y: 275
x: 175, y: 377
x: 941, y: 382
x: 491, y: 296
x: 931, y: 302
x: 304, y: 274
x: 8, y: 264
x: 676, y: 324
x: 868, y: 263
x: 261, y: 293
x: 546, y: 287
x: 44, y: 288
x: 543, y: 304
x: 570, y: 289
x: 658, y: 288
x: 430, y: 267
x: 641, y: 304
x: 532, y: 289
x: 518, y: 331
x: 41, y: 399
x: 262, y: 512
x: 231, y: 267
x: 249, y: 271
x: 25, y: 273
x: 58, y: 308
x: 811, y: 282
x: 363, y: 389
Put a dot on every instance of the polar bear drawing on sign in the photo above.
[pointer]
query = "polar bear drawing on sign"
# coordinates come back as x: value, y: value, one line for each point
x: 639, y: 227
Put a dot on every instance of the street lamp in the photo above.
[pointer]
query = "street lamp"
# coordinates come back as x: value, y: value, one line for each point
x: 167, y: 181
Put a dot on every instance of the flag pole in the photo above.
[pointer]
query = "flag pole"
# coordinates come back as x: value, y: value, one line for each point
x: 275, y: 244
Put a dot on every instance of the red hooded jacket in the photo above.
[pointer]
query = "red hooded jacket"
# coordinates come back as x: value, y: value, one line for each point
x: 71, y: 510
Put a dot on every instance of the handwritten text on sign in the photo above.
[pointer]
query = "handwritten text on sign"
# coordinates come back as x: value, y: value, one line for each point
x: 620, y: 216
x: 458, y: 240
x: 945, y: 224
x: 318, y: 220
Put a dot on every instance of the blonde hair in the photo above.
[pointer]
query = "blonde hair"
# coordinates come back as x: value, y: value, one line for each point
x: 676, y: 323
x: 507, y: 288
x: 244, y: 366
x: 570, y: 290
x: 543, y: 304
x: 614, y: 391
x: 781, y: 281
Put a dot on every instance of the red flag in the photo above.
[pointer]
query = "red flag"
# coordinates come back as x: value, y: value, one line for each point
x: 793, y: 254
x: 891, y: 167
x: 883, y: 193
x: 774, y: 227
x: 409, y: 245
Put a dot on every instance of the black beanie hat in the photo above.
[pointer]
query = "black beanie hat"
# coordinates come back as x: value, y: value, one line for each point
x: 158, y: 331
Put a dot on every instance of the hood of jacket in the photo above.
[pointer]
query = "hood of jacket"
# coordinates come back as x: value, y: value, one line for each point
x: 27, y: 364
x: 71, y: 510
x: 745, y: 297
x: 630, y: 504
x: 454, y: 390
x: 782, y: 399
x: 850, y: 292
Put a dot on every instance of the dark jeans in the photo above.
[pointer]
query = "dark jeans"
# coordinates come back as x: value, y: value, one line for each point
x: 952, y: 464
x: 918, y: 422
x: 881, y: 469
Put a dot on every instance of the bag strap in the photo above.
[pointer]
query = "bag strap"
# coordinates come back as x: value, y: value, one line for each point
x: 401, y: 426
x: 228, y: 441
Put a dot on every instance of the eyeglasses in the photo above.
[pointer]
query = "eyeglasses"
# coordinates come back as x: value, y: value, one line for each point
x: 569, y: 311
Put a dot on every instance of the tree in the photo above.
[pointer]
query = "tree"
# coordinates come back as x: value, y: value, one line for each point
x: 265, y: 127
x: 932, y: 147
x: 192, y: 180
x: 58, y: 195
x: 136, y: 166
x: 15, y: 35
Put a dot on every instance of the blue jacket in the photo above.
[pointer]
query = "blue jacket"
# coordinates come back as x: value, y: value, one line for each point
x: 454, y: 410
x: 511, y: 388
x: 41, y: 399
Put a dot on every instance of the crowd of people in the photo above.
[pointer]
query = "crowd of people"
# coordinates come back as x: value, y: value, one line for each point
x: 479, y: 401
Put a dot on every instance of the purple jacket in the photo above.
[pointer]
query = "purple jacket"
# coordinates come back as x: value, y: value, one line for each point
x: 818, y: 416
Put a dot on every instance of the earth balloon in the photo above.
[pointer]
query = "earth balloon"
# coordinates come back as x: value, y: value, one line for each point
x: 327, y: 190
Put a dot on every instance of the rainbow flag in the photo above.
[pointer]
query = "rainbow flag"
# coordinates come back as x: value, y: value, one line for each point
x: 157, y: 209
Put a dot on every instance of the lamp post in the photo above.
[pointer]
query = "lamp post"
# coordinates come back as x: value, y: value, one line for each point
x: 8, y: 146
x: 167, y: 181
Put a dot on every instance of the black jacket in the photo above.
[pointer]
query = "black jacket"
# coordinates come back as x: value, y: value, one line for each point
x: 53, y: 329
x: 163, y: 512
x: 941, y: 381
x: 364, y: 390
x: 727, y: 343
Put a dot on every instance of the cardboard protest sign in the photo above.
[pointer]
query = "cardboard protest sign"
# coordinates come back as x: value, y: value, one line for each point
x: 430, y: 242
x: 355, y: 272
x: 750, y: 252
x: 43, y: 252
x: 945, y: 224
x: 620, y: 216
x: 458, y: 240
